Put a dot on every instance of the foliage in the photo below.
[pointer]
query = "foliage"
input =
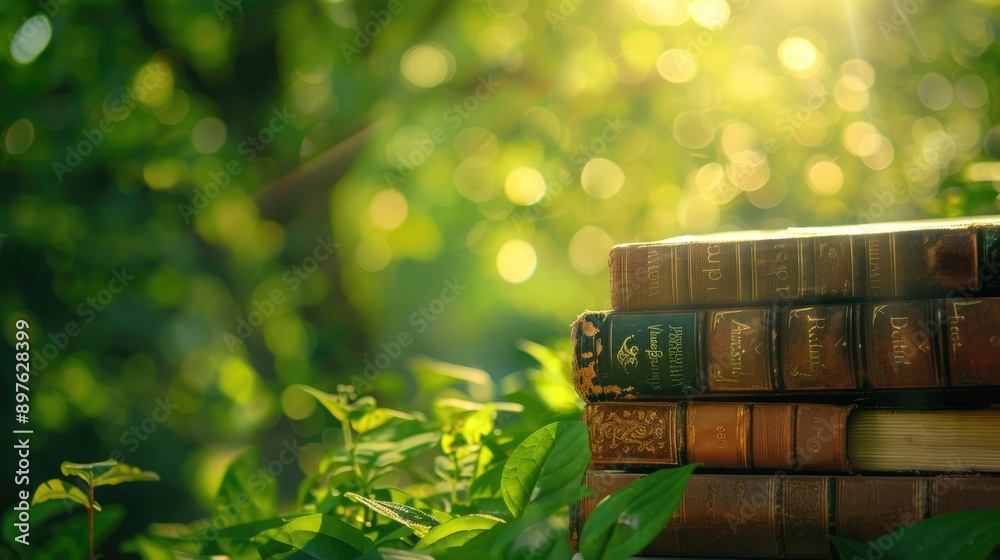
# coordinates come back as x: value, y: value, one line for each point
x: 209, y: 205
x: 963, y: 535
x: 632, y: 517
x: 104, y: 473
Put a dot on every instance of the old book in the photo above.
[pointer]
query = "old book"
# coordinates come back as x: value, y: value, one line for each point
x: 767, y: 350
x: 773, y: 516
x: 919, y: 259
x: 792, y: 437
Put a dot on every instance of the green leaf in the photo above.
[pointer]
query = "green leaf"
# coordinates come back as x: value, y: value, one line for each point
x: 457, y: 531
x: 57, y: 489
x: 551, y: 459
x: 246, y: 494
x: 379, y: 454
x: 964, y: 535
x: 847, y: 548
x: 313, y: 536
x: 432, y: 375
x: 334, y: 403
x: 87, y: 471
x: 377, y: 418
x: 69, y: 539
x: 124, y: 473
x: 631, y: 518
x: 547, y: 539
x: 545, y: 356
x: 538, y: 511
x: 393, y: 554
x: 413, y: 518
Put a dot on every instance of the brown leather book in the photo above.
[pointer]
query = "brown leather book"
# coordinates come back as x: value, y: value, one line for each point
x: 773, y: 516
x: 918, y: 259
x: 765, y: 350
x: 793, y: 437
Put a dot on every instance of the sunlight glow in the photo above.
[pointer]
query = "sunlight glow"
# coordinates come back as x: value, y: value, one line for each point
x: 797, y: 53
x: 389, y: 209
x: 30, y: 39
x: 524, y: 186
x: 516, y: 261
x: 710, y: 14
x: 427, y: 65
x: 602, y: 178
x: 588, y: 250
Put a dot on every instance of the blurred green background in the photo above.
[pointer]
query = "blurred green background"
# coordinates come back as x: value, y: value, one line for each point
x: 204, y: 203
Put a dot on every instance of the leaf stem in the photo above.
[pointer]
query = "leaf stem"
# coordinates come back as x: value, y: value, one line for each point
x: 351, y: 452
x: 456, y: 478
x: 90, y: 518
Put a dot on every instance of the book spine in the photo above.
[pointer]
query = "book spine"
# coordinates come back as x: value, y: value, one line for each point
x: 972, y: 341
x: 621, y: 356
x: 768, y: 516
x: 719, y: 272
x: 806, y: 437
x: 921, y: 263
x: 833, y: 266
x: 648, y: 276
x: 757, y: 350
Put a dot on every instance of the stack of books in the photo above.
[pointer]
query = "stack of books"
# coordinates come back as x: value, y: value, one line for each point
x: 829, y: 381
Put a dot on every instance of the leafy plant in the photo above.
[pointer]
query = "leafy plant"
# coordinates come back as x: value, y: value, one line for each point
x: 963, y: 535
x: 104, y: 473
x: 628, y: 520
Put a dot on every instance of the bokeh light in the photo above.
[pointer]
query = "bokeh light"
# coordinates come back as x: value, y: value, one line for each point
x: 797, y: 53
x: 30, y: 39
x: 389, y: 209
x: 427, y: 65
x: 516, y: 261
x: 710, y: 14
x: 602, y: 178
x: 524, y: 186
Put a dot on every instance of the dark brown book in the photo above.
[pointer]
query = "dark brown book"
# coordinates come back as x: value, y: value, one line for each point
x: 766, y: 350
x: 769, y: 516
x: 792, y: 437
x: 919, y: 259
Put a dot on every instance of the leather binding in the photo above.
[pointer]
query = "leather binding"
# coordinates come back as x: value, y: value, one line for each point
x: 775, y: 516
x: 867, y: 507
x: 920, y: 259
x: 842, y: 348
x: 817, y: 349
x: 793, y: 437
x: 972, y: 341
x: 741, y: 340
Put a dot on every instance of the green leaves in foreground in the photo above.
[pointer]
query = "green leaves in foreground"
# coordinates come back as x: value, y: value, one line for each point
x: 964, y: 535
x: 631, y: 518
x: 313, y: 536
x: 552, y: 459
x: 419, y: 522
x: 103, y: 473
x: 56, y: 489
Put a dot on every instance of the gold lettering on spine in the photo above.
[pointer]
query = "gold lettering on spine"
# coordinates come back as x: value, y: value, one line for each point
x: 900, y: 348
x: 653, y: 271
x: 713, y: 274
x: 954, y: 330
x: 654, y: 354
x: 815, y: 338
x: 874, y: 266
x: 675, y: 355
x: 736, y: 346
